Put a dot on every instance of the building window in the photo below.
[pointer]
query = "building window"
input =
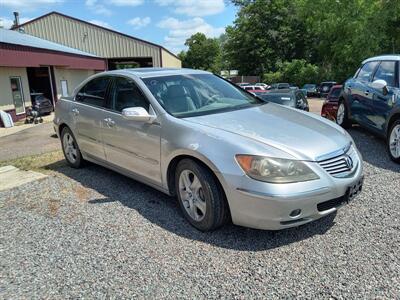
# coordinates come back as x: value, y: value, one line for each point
x: 18, y: 95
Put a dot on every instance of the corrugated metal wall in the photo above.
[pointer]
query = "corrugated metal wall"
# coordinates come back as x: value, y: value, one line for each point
x: 89, y: 38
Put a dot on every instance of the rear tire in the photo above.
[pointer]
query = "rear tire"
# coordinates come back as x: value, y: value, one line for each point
x: 70, y: 149
x: 342, y: 115
x: 200, y: 196
x: 393, y: 142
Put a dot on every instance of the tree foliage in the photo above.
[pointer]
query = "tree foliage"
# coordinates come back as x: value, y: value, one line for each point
x: 299, y: 40
x: 297, y: 71
x: 264, y: 32
x: 203, y: 53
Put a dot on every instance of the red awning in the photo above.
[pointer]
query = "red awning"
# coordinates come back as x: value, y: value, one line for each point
x: 22, y: 56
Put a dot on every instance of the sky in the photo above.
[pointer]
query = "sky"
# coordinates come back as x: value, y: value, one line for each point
x: 165, y: 22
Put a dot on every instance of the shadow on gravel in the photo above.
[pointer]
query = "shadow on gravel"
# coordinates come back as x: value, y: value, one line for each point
x: 373, y: 149
x: 164, y: 211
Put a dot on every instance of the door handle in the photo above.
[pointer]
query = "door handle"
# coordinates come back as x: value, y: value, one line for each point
x: 109, y: 122
x: 75, y: 111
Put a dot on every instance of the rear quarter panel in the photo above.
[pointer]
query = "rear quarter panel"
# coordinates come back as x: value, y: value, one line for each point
x: 62, y: 114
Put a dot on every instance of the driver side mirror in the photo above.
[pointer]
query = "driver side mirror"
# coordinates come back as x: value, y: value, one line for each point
x: 138, y: 114
x: 380, y: 85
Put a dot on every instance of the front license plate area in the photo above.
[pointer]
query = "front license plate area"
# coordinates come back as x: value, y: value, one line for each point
x: 354, y: 190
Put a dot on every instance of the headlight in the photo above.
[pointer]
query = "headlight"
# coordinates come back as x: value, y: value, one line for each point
x: 275, y: 170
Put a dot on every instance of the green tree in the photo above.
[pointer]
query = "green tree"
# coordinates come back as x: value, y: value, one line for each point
x: 297, y: 71
x: 203, y: 53
x: 264, y: 33
x: 182, y: 56
x: 335, y: 35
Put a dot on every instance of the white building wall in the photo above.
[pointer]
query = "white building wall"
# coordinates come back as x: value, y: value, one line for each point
x: 73, y: 78
x: 6, y: 99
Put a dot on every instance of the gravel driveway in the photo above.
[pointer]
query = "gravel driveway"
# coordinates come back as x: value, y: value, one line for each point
x: 93, y: 233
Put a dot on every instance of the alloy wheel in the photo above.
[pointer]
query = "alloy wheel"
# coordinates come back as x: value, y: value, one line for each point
x: 70, y: 148
x: 192, y: 195
x: 340, y: 114
x: 394, y: 141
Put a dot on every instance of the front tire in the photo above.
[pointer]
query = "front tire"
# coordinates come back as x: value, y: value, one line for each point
x: 200, y: 196
x: 393, y: 142
x: 70, y: 148
x: 342, y: 116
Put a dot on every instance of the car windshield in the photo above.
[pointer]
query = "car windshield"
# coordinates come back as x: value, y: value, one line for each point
x: 198, y: 94
x: 276, y: 98
x: 309, y: 86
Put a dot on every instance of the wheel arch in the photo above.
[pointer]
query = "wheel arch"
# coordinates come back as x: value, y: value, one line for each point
x: 61, y: 127
x: 344, y: 98
x: 395, y: 116
x: 174, y: 161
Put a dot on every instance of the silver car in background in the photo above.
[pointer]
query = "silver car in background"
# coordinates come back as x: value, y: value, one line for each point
x: 224, y: 153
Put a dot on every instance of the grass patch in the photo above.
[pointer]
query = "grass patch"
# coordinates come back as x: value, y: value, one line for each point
x: 39, y: 162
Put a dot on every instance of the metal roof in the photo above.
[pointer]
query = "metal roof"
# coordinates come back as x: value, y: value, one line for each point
x: 22, y: 39
x: 395, y: 57
x: 94, y: 25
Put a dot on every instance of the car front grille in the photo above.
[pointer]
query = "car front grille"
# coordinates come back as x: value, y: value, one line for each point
x: 341, y: 165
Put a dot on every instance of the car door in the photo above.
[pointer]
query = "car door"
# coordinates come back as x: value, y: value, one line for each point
x: 131, y: 145
x: 360, y: 101
x: 88, y: 111
x: 383, y: 101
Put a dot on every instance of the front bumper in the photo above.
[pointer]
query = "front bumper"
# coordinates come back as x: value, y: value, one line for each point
x: 275, y: 206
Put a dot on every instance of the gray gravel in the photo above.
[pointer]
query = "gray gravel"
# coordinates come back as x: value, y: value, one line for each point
x: 95, y: 234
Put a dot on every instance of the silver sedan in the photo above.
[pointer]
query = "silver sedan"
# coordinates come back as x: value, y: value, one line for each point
x: 222, y: 152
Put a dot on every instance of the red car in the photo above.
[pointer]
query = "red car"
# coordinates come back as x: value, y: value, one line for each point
x: 330, y: 109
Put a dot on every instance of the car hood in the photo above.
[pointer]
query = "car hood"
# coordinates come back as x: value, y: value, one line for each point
x: 302, y: 135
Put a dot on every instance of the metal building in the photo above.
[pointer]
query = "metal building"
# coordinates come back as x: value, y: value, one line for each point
x: 32, y: 67
x: 120, y: 50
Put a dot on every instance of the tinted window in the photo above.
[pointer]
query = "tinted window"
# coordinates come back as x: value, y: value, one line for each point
x: 335, y: 92
x: 366, y: 71
x: 94, y: 92
x: 386, y: 71
x: 283, y: 86
x: 126, y: 94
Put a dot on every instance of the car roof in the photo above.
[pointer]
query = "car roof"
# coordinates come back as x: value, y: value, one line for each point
x: 155, y: 72
x: 395, y: 57
x: 282, y: 91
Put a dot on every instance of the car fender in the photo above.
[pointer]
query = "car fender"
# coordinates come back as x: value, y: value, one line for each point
x: 394, y: 113
x: 215, y: 148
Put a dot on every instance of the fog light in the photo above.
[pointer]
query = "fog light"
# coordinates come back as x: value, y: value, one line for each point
x: 295, y: 213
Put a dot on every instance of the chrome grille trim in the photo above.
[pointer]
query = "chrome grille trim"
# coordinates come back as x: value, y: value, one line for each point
x: 337, y: 164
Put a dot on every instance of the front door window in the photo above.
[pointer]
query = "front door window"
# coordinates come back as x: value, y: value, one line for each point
x: 17, y: 94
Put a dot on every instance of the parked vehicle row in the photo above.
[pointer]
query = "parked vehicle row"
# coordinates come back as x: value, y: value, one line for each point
x: 223, y: 152
x: 371, y: 98
x: 309, y: 90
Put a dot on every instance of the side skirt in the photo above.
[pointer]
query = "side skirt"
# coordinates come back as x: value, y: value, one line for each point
x: 125, y: 172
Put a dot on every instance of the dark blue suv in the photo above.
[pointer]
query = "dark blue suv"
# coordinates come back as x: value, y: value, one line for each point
x: 372, y: 99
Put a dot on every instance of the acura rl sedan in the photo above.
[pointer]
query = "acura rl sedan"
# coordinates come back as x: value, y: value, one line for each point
x: 224, y: 153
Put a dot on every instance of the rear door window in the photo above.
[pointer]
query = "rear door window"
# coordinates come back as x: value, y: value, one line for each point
x: 387, y: 71
x: 366, y: 71
x: 94, y: 92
